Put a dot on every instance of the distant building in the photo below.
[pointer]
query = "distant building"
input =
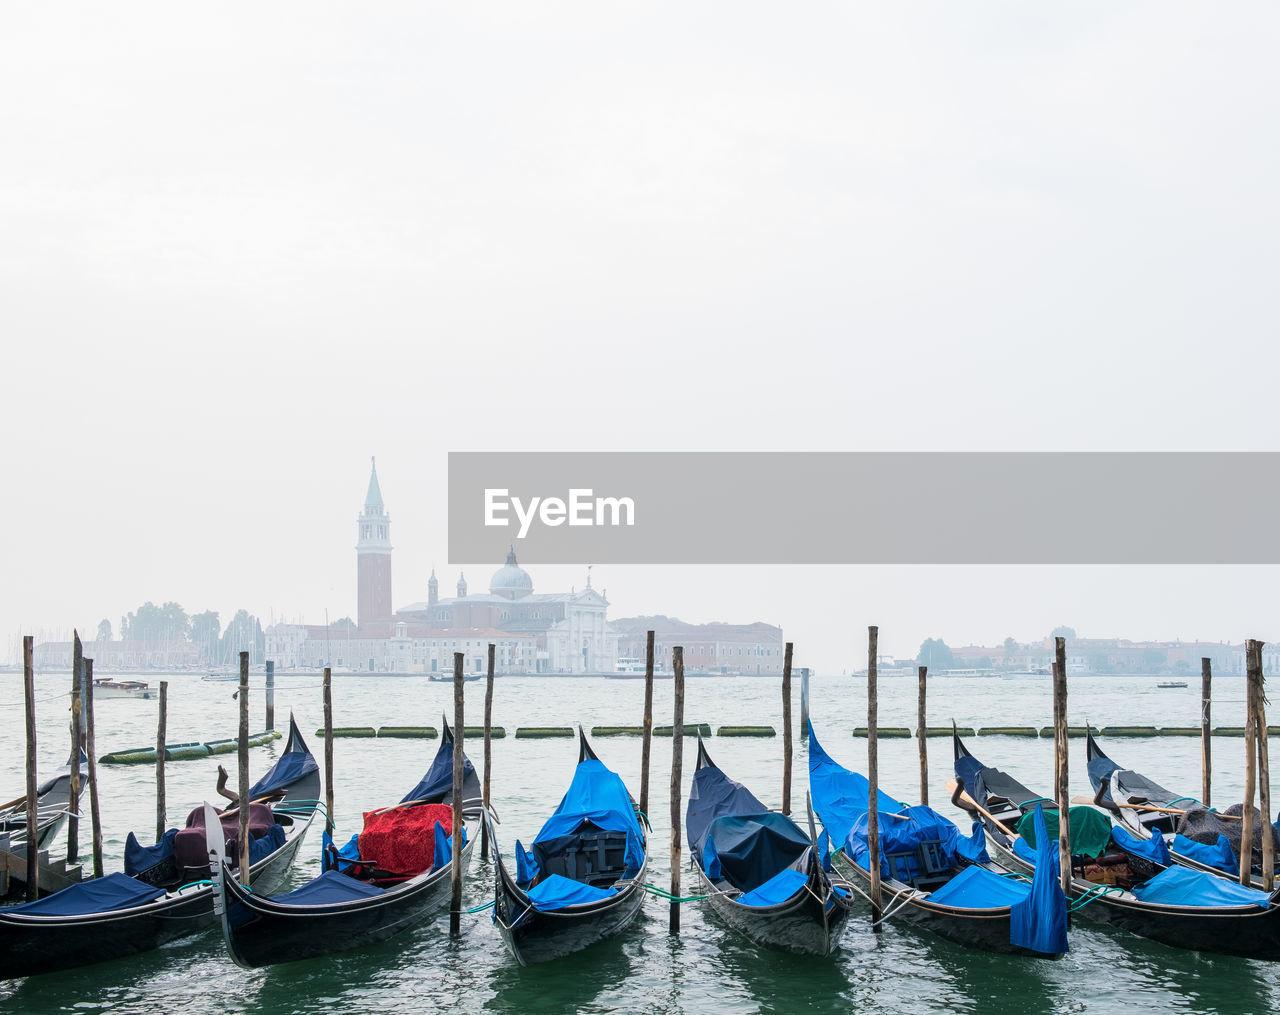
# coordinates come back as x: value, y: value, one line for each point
x: 118, y: 655
x: 748, y: 649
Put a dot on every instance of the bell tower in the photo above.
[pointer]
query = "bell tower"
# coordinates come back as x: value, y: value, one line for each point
x: 373, y: 555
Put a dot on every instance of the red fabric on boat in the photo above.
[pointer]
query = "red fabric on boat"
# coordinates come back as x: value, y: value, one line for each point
x: 403, y: 840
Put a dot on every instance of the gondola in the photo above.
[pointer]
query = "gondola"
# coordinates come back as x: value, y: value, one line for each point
x: 583, y: 880
x: 763, y: 876
x: 53, y: 797
x: 360, y: 897
x: 164, y: 893
x: 932, y: 875
x: 1146, y: 808
x: 1121, y: 880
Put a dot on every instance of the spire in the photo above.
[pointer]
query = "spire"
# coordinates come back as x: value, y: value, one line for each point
x: 511, y: 556
x: 373, y: 499
x: 433, y: 589
x: 462, y: 585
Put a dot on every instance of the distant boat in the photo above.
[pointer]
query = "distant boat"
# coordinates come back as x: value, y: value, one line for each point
x: 447, y: 678
x: 122, y: 689
x: 224, y: 675
x: 1172, y: 683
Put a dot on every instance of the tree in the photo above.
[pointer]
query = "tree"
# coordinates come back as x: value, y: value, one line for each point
x: 1010, y: 646
x: 1063, y: 632
x: 935, y: 654
x: 104, y: 630
x: 243, y: 634
x: 205, y: 628
x: 167, y: 623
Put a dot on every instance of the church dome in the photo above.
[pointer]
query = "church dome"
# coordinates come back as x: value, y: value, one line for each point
x: 511, y: 580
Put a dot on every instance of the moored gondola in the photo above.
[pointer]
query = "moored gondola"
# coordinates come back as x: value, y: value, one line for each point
x: 53, y: 798
x: 934, y: 876
x: 583, y: 880
x: 763, y: 876
x: 389, y: 877
x: 166, y: 892
x: 1119, y: 879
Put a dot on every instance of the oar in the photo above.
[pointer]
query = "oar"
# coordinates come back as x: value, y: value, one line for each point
x: 276, y: 795
x: 958, y: 794
x: 1152, y: 807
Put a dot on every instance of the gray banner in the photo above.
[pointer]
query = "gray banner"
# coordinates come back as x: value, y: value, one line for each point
x: 866, y: 507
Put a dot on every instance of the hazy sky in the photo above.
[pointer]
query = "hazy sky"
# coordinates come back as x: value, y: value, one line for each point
x: 245, y: 247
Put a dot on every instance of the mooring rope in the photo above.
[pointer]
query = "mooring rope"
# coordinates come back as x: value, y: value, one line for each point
x: 1092, y: 895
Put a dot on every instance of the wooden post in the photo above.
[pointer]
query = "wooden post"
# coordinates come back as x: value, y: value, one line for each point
x: 77, y: 746
x: 677, y: 760
x: 243, y: 757
x: 160, y: 758
x: 488, y: 758
x: 271, y: 694
x: 1060, y: 752
x: 95, y: 817
x: 873, y: 779
x: 922, y: 737
x: 647, y: 741
x: 1264, y: 771
x: 1206, y: 741
x: 786, y: 729
x: 804, y: 702
x: 328, y: 750
x: 455, y: 867
x: 1250, y: 770
x: 33, y: 817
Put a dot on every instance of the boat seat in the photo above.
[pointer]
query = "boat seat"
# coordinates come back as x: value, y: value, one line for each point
x: 594, y: 857
x: 926, y: 867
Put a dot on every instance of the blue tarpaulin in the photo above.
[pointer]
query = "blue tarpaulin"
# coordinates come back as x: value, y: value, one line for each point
x: 1219, y: 855
x: 905, y: 832
x: 526, y: 865
x: 139, y: 858
x: 978, y: 888
x: 556, y: 892
x: 1181, y: 886
x: 444, y: 846
x: 328, y: 888
x: 437, y: 785
x: 749, y: 849
x: 1039, y: 922
x: 1100, y: 772
x: 99, y: 895
x: 839, y: 795
x: 263, y: 847
x: 597, y: 795
x: 714, y: 795
x: 777, y: 890
x: 1153, y: 847
x: 292, y: 766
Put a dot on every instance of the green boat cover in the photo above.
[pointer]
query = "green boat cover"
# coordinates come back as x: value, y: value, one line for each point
x: 1090, y: 830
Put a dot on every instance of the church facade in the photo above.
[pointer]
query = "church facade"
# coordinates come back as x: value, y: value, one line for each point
x: 549, y: 632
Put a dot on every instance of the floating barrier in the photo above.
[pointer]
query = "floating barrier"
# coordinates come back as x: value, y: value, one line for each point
x: 186, y: 752
x: 945, y: 731
x: 1179, y: 731
x: 477, y: 732
x: 691, y: 729
x: 1008, y: 731
x: 408, y: 732
x: 1129, y: 731
x: 222, y: 746
x: 132, y: 756
x: 746, y: 731
x: 886, y: 732
x: 617, y: 731
x: 349, y: 731
x: 542, y: 732
x: 1072, y: 731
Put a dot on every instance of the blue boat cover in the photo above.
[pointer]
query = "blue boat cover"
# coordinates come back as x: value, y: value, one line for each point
x: 978, y: 888
x: 557, y: 891
x: 906, y: 834
x: 1181, y: 886
x: 1039, y: 922
x: 1219, y: 855
x: 1153, y: 848
x: 749, y: 849
x: 264, y: 846
x: 139, y: 858
x: 777, y: 890
x: 294, y: 763
x: 444, y: 846
x: 328, y: 888
x: 839, y: 795
x: 714, y: 795
x: 98, y: 895
x: 438, y: 782
x: 526, y: 865
x: 599, y: 796
x: 1100, y: 772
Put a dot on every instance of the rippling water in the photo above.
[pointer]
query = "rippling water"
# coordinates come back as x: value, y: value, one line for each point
x: 707, y: 968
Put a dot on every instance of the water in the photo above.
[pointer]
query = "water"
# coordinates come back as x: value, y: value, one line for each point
x: 904, y: 971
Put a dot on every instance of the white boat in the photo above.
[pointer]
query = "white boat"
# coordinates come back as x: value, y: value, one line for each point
x: 122, y: 689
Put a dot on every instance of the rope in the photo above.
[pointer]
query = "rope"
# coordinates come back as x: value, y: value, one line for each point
x: 673, y: 899
x: 1182, y: 799
x: 1092, y: 895
x: 479, y: 909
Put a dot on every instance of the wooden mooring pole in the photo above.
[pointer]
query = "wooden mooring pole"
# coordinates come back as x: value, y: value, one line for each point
x: 327, y: 692
x: 95, y: 815
x: 786, y: 729
x: 77, y: 747
x: 271, y: 694
x: 242, y: 756
x: 1060, y: 756
x: 677, y: 759
x: 1250, y: 768
x: 922, y: 736
x: 648, y: 725
x: 804, y: 702
x: 160, y: 758
x: 873, y: 780
x: 33, y: 819
x: 1264, y: 771
x: 1206, y: 739
x: 488, y: 754
x: 455, y: 866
